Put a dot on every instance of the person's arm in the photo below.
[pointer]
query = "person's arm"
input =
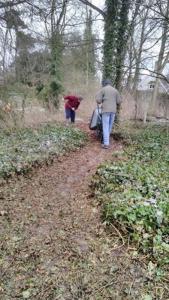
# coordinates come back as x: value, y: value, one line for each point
x: 68, y: 101
x: 99, y: 97
x: 77, y: 105
x: 66, y: 97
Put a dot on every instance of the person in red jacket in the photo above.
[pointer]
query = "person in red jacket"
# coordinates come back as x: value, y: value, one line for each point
x: 71, y: 105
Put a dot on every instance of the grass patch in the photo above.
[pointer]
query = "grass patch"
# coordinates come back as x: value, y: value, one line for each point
x: 25, y: 148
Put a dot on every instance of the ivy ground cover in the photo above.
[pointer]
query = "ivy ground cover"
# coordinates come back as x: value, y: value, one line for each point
x: 134, y: 193
x: 22, y: 149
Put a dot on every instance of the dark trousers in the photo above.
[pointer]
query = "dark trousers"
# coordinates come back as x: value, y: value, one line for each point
x: 70, y: 114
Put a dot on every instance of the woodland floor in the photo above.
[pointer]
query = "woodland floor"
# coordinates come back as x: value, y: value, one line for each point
x: 53, y: 242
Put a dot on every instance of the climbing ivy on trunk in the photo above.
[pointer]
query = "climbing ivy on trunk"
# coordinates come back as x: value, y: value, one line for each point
x: 115, y: 39
x: 110, y: 38
x: 56, y: 55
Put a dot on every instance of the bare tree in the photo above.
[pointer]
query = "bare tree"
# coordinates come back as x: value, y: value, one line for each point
x: 162, y: 57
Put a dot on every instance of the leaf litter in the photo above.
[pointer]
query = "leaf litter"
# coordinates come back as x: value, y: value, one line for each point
x: 53, y: 244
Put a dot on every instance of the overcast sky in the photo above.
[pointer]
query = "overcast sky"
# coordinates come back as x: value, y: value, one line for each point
x: 99, y: 3
x: 99, y: 26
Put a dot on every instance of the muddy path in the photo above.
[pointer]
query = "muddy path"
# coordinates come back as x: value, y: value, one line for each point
x: 53, y: 244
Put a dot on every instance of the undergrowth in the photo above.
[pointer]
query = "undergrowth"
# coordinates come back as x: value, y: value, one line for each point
x: 22, y: 149
x: 134, y: 193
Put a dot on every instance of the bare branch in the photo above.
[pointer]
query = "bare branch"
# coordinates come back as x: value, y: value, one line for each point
x: 86, y: 2
x: 11, y: 3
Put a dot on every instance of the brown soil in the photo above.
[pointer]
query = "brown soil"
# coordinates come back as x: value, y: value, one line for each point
x: 53, y: 244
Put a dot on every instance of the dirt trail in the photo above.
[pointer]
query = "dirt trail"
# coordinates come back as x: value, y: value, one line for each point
x: 55, y: 244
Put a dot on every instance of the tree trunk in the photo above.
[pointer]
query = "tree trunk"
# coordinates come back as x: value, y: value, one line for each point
x: 131, y: 39
x: 4, y: 55
x: 122, y: 36
x: 160, y: 65
x: 56, y: 42
x: 130, y: 55
x: 140, y: 50
x: 89, y: 47
x: 110, y: 41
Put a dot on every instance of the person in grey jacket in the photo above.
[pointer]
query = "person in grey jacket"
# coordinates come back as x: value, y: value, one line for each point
x: 109, y: 97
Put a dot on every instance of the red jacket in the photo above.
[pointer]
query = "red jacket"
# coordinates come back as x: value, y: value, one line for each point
x: 72, y: 102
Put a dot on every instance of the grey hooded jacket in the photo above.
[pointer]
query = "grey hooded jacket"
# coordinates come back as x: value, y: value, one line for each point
x: 109, y: 97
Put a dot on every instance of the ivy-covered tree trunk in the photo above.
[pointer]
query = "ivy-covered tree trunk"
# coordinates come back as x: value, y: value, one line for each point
x: 56, y: 55
x: 57, y: 19
x: 115, y: 41
x: 110, y: 39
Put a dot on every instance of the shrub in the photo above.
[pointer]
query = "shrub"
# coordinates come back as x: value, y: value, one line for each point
x: 24, y: 148
x: 39, y: 86
x: 50, y: 94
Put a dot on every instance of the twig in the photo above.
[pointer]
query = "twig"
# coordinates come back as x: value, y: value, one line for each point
x: 130, y: 289
x: 106, y: 285
x: 120, y: 235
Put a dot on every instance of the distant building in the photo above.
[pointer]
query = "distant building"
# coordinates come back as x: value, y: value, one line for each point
x: 147, y: 83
